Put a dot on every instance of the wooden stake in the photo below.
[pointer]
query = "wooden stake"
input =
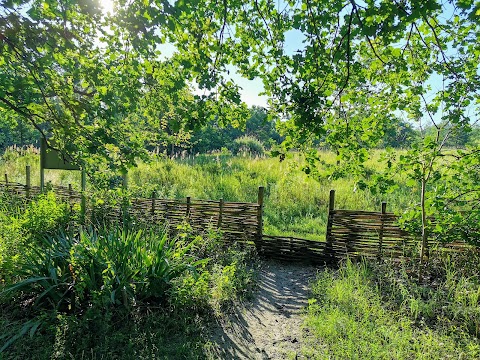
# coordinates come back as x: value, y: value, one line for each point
x: 261, y: 192
x: 154, y: 195
x: 189, y: 200
x: 70, y: 193
x: 43, y: 152
x: 380, y: 235
x: 331, y: 203
x: 220, y: 214
x: 328, y: 235
x: 83, y: 201
x: 28, y: 184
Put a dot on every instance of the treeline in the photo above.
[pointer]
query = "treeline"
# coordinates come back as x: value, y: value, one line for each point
x: 14, y: 130
x: 257, y: 135
x: 401, y: 134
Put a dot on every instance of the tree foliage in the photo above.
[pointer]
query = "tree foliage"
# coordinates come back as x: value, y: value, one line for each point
x: 14, y: 130
x: 358, y: 66
x: 78, y: 74
x: 215, y: 136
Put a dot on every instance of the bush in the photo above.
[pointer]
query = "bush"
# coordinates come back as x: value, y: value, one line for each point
x: 11, y: 243
x: 227, y: 277
x: 69, y: 271
x: 45, y: 216
x: 248, y: 145
x: 114, y: 272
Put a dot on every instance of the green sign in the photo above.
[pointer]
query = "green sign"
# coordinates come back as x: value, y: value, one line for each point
x: 53, y: 159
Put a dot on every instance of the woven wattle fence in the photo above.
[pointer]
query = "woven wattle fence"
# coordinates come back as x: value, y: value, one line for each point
x: 294, y: 249
x: 63, y: 192
x: 238, y: 221
x: 369, y: 234
x: 349, y: 233
x: 355, y: 233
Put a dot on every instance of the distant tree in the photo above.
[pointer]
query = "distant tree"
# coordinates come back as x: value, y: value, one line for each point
x: 474, y: 136
x: 14, y: 130
x: 458, y: 137
x: 399, y: 134
x: 215, y: 135
x: 261, y: 127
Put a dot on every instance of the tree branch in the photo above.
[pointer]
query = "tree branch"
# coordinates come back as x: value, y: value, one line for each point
x: 354, y: 5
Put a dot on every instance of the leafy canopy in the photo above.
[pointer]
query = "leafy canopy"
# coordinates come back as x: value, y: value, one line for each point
x: 83, y: 71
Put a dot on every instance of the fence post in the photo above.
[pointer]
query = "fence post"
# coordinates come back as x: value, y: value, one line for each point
x: 380, y: 235
x: 28, y: 183
x: 154, y: 195
x: 70, y: 193
x: 328, y: 236
x: 83, y: 200
x: 261, y: 192
x: 42, y: 170
x: 189, y: 201
x: 220, y: 214
x: 6, y: 180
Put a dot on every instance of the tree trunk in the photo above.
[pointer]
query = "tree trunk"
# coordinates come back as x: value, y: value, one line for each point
x: 424, y: 250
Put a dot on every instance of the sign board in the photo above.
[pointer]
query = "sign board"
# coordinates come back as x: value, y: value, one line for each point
x: 53, y: 159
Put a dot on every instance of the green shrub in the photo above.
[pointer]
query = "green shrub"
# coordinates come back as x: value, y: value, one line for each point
x: 45, y: 216
x: 248, y: 145
x: 11, y: 244
x: 108, y: 267
x: 228, y: 276
x: 22, y: 223
x: 72, y: 276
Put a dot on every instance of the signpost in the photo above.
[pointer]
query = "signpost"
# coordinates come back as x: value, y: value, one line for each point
x: 53, y: 159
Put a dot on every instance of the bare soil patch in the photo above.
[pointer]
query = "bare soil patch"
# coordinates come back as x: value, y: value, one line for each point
x: 268, y: 327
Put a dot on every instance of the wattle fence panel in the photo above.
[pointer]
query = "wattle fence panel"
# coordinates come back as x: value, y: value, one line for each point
x: 367, y: 233
x: 349, y: 233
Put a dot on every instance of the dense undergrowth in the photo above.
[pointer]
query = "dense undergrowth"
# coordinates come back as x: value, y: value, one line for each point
x: 385, y: 311
x: 111, y: 291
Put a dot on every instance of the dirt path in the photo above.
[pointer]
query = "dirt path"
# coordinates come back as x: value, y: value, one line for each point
x: 269, y: 327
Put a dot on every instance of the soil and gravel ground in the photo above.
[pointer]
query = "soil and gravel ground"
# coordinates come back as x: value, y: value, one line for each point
x: 268, y: 327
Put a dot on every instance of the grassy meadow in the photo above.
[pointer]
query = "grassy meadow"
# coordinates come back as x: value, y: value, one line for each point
x: 295, y: 204
x: 127, y: 292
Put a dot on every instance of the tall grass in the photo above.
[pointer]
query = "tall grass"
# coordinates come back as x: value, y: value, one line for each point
x: 371, y: 311
x: 295, y: 204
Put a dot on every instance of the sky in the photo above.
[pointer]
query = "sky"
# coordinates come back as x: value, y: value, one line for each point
x: 252, y: 88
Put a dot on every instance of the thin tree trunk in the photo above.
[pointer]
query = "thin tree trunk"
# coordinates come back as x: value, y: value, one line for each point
x: 424, y: 250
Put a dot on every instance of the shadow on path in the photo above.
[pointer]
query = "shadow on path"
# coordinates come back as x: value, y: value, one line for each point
x: 270, y: 326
